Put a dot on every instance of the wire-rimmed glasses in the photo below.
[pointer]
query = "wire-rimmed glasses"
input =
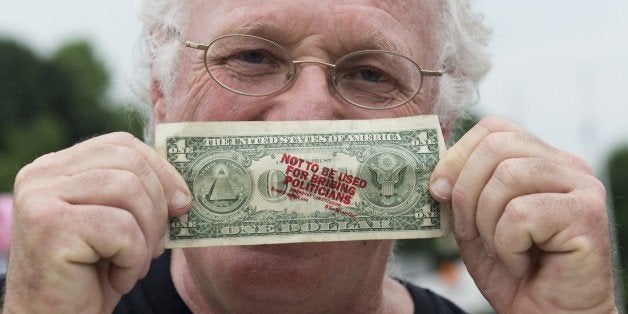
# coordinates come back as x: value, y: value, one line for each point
x: 255, y: 66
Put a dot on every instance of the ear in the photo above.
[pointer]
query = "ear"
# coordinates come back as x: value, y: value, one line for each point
x: 158, y: 101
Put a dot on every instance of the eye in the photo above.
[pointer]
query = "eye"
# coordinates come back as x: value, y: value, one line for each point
x: 251, y: 63
x: 367, y: 75
x: 370, y: 75
x: 248, y: 65
x: 252, y: 56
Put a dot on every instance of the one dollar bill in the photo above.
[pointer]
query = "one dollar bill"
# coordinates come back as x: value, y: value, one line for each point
x: 305, y: 181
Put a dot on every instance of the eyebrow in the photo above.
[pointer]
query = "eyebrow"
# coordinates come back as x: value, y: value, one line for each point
x: 265, y: 28
x: 378, y: 41
x: 262, y: 28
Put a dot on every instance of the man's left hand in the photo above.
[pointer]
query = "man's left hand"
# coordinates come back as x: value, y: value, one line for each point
x: 531, y: 221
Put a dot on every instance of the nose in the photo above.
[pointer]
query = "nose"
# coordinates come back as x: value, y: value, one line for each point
x: 309, y: 97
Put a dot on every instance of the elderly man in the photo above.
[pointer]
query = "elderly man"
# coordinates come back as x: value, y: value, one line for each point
x: 530, y: 220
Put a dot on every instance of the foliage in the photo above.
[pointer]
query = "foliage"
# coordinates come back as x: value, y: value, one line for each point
x: 617, y: 169
x: 462, y: 125
x: 47, y: 104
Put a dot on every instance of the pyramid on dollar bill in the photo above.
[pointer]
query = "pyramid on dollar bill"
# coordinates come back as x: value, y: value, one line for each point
x: 221, y: 189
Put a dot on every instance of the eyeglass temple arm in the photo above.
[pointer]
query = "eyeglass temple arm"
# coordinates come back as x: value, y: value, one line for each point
x: 194, y: 45
x: 433, y: 73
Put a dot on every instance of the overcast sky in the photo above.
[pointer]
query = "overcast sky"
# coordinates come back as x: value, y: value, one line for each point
x: 560, y: 67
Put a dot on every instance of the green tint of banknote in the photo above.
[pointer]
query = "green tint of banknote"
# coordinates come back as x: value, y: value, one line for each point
x: 305, y: 181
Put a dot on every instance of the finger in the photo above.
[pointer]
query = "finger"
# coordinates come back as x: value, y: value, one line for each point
x: 118, y: 189
x: 120, y: 241
x: 517, y: 177
x: 445, y: 175
x: 562, y: 226
x: 480, y: 166
x: 124, y: 152
x: 175, y: 189
x: 78, y: 239
x: 103, y: 157
x: 446, y: 171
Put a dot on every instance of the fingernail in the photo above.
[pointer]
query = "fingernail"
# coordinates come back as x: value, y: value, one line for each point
x: 441, y: 189
x: 179, y: 200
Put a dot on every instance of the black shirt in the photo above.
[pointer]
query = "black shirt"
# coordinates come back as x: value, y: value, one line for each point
x: 156, y: 294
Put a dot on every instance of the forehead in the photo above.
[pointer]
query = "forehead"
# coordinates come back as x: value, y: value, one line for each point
x: 332, y: 25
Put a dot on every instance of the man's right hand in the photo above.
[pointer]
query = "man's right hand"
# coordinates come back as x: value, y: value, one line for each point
x: 88, y: 220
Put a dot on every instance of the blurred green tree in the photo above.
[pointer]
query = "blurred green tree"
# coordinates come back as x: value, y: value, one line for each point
x: 47, y: 104
x: 617, y: 169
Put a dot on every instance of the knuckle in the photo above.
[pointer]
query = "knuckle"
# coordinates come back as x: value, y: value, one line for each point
x: 122, y: 137
x: 126, y: 225
x: 136, y: 161
x: 130, y: 184
x: 32, y: 208
x: 21, y: 196
x: 101, y: 177
x: 46, y: 159
x: 599, y: 189
x: 496, y: 124
x: 492, y: 144
x: 105, y: 177
x: 591, y: 200
x: 97, y: 151
x: 490, y: 120
x: 162, y: 169
x: 501, y: 239
x: 516, y: 211
x: 24, y: 175
x: 578, y: 162
x: 506, y: 172
x: 39, y: 168
x: 121, y: 182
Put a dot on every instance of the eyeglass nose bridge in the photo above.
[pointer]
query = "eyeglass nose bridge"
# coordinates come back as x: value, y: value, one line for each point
x: 330, y: 66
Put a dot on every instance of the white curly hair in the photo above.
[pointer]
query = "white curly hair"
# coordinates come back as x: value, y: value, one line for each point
x: 461, y: 40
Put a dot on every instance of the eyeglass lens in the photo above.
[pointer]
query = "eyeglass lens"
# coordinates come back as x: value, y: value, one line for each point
x: 255, y: 66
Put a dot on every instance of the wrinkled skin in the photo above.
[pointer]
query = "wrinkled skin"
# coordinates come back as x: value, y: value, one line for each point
x: 530, y: 219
